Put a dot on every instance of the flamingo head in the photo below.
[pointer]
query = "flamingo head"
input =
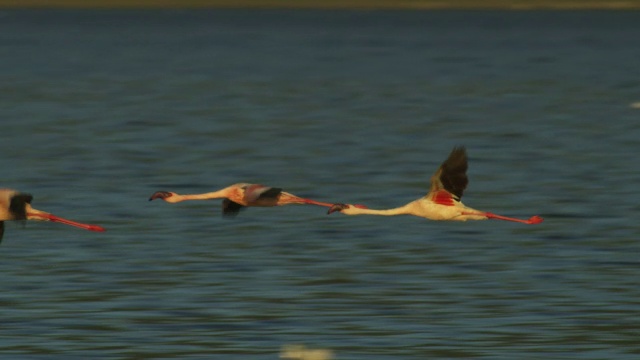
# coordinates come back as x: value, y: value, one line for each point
x: 164, y: 195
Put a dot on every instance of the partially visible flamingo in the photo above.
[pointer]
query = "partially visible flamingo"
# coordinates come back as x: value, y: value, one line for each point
x: 241, y: 195
x: 17, y: 206
x: 443, y: 200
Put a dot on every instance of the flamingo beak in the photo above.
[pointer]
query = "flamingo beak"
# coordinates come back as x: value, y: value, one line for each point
x: 160, y: 195
x: 337, y: 207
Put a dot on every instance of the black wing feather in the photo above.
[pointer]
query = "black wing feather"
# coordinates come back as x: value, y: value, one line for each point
x: 230, y: 208
x: 272, y: 193
x: 453, y: 175
x: 1, y: 230
x: 17, y: 206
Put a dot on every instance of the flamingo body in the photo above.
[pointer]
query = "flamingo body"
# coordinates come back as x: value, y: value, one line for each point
x: 238, y: 196
x: 424, y: 207
x: 15, y: 205
x: 442, y: 202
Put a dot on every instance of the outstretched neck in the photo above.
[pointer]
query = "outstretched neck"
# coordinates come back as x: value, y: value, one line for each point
x: 210, y: 195
x: 386, y: 212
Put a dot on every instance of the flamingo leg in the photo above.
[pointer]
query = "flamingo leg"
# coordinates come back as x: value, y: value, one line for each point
x: 319, y: 203
x: 57, y: 219
x: 532, y: 220
x: 313, y: 202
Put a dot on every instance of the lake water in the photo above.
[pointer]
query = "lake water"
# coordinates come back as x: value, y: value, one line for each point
x: 99, y: 109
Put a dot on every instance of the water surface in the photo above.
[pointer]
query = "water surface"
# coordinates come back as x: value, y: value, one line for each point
x: 101, y: 108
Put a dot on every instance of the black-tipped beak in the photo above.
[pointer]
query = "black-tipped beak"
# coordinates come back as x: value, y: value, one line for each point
x: 337, y: 207
x: 160, y: 195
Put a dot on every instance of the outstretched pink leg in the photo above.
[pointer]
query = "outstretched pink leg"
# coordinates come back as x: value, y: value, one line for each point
x: 54, y: 218
x: 532, y: 220
x: 313, y: 202
x: 319, y: 203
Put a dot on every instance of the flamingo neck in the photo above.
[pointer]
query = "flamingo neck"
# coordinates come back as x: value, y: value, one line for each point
x: 210, y: 195
x: 386, y: 212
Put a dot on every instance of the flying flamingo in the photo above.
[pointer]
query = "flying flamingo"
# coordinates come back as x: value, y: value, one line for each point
x: 17, y: 206
x: 237, y: 196
x: 443, y: 200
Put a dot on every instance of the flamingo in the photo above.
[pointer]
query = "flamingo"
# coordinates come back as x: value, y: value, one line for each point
x: 240, y: 195
x: 15, y: 205
x: 442, y: 202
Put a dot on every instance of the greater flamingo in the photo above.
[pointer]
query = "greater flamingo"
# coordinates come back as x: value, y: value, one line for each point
x: 443, y: 200
x: 17, y: 206
x: 237, y: 196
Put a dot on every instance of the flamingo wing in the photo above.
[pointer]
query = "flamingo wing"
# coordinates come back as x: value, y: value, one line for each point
x: 18, y: 205
x: 261, y: 194
x: 450, y: 180
x: 230, y: 208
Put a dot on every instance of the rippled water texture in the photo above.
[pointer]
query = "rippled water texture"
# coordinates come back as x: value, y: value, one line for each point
x: 101, y: 108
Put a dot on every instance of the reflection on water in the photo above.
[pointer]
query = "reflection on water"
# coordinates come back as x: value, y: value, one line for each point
x: 101, y: 109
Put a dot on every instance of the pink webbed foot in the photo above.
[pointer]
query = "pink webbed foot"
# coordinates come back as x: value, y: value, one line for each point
x: 535, y: 220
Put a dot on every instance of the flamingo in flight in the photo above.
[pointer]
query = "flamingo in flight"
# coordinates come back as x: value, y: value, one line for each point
x: 442, y: 202
x: 15, y: 205
x: 238, y: 196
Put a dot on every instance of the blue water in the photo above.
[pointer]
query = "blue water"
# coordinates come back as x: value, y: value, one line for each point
x: 99, y: 109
